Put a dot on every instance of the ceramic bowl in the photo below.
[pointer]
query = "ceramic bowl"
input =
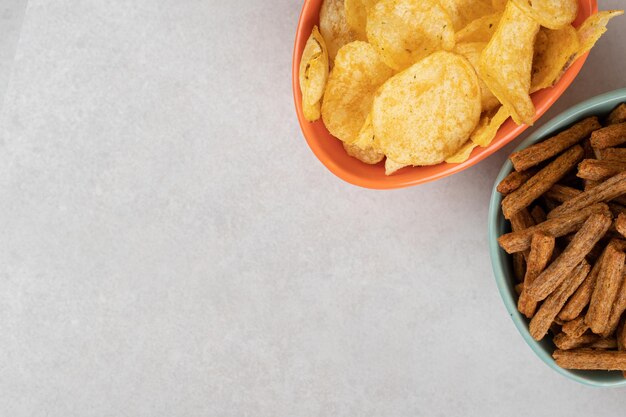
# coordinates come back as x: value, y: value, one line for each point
x: 501, y: 261
x: 331, y: 153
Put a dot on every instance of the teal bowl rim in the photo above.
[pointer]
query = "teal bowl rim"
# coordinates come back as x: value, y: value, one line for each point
x: 500, y: 260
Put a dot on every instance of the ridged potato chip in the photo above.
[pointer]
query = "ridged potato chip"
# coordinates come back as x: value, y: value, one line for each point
x: 462, y: 154
x: 357, y: 74
x: 554, y: 53
x: 553, y: 14
x: 313, y: 75
x: 334, y: 27
x: 506, y: 63
x: 392, y: 166
x: 488, y: 127
x: 405, y: 31
x: 356, y: 15
x: 472, y: 51
x: 499, y: 4
x: 463, y: 12
x: 479, y: 30
x: 364, y: 148
x: 427, y: 112
x: 593, y: 28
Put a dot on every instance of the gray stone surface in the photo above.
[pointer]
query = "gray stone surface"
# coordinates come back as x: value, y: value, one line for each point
x: 11, y: 15
x: 170, y: 246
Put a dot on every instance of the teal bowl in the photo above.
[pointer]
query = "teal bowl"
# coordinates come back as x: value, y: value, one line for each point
x: 501, y: 261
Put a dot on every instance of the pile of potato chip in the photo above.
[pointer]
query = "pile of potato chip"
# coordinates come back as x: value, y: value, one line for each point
x: 421, y: 82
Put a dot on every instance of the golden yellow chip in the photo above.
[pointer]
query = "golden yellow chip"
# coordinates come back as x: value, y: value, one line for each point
x: 357, y: 74
x: 405, y: 31
x: 462, y: 154
x: 462, y: 12
x: 506, y: 63
x: 553, y: 14
x: 488, y: 127
x: 472, y: 51
x: 499, y: 4
x: 392, y: 166
x: 479, y: 30
x: 541, y: 41
x: 313, y: 75
x: 356, y: 15
x: 364, y: 148
x: 334, y: 27
x: 554, y: 53
x: 593, y: 28
x: 427, y: 112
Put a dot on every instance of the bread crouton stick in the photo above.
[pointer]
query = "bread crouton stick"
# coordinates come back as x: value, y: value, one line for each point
x: 541, y: 248
x: 576, y: 327
x: 620, y: 224
x: 612, y: 154
x: 539, y: 152
x: 520, y: 221
x: 599, y: 170
x: 604, y: 343
x: 605, y: 291
x: 582, y: 296
x: 609, y: 136
x: 561, y: 226
x: 619, y: 306
x: 541, y: 182
x: 514, y: 180
x: 606, y: 191
x: 562, y: 193
x: 589, y: 234
x: 566, y: 342
x: 540, y: 323
x: 590, y: 359
x: 618, y: 115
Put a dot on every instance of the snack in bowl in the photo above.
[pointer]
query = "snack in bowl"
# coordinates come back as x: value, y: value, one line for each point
x: 406, y: 31
x: 509, y: 53
x: 444, y: 87
x: 572, y: 247
x: 313, y: 74
x: 352, y: 84
x: 334, y: 27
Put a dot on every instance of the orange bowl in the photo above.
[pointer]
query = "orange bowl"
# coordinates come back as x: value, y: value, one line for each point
x: 330, y: 152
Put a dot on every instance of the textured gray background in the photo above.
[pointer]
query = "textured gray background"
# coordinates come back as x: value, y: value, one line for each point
x: 169, y: 246
x: 11, y: 15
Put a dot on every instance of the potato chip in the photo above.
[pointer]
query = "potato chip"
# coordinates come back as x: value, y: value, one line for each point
x: 462, y: 12
x: 392, y: 166
x: 593, y: 28
x: 313, y: 75
x: 553, y: 14
x: 462, y: 154
x: 488, y: 127
x: 479, y: 30
x: 506, y: 63
x: 499, y: 4
x: 334, y: 27
x: 356, y: 15
x: 364, y: 148
x: 357, y: 74
x: 428, y: 111
x: 554, y: 53
x: 541, y: 40
x: 405, y: 31
x: 472, y: 51
x: 368, y: 155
